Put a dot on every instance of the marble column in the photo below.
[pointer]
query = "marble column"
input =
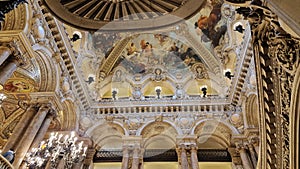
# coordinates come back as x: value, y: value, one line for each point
x: 7, y: 70
x: 88, y: 161
x: 239, y: 167
x: 178, y: 151
x: 245, y: 158
x: 42, y: 131
x: 255, y: 142
x: 29, y: 134
x: 136, y: 158
x: 252, y: 155
x: 125, y: 159
x: 194, y: 157
x: 183, y: 157
x: 19, y: 130
x: 5, y: 52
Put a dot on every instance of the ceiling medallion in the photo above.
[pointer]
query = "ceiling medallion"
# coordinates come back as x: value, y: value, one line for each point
x: 123, y: 15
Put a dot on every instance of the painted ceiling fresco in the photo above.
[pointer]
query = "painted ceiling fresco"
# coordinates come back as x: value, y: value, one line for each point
x: 146, y: 51
x: 209, y: 24
x: 157, y: 53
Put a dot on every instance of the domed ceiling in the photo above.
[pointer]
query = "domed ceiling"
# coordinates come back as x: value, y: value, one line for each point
x: 125, y: 14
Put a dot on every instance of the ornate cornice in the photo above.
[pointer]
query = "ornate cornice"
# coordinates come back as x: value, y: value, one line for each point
x: 21, y: 42
x: 16, y: 15
x: 67, y: 55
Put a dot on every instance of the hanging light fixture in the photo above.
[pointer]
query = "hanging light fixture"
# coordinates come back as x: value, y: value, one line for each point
x: 2, y: 98
x: 55, y: 148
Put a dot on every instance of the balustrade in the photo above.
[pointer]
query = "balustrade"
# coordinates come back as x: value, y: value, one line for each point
x: 167, y: 109
x: 4, y: 164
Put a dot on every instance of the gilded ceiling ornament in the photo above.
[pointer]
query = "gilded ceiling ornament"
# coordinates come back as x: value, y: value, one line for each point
x: 137, y: 93
x: 158, y: 75
x: 200, y: 71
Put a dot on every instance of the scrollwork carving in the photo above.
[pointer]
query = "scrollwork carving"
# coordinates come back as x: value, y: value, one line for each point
x: 278, y: 54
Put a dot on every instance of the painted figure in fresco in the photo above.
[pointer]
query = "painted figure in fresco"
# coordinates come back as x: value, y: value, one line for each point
x: 131, y: 49
x: 174, y: 48
x: 118, y: 76
x: 146, y: 50
x: 161, y: 38
x: 17, y: 86
x: 207, y: 24
x: 143, y: 44
x: 158, y: 75
x: 200, y: 72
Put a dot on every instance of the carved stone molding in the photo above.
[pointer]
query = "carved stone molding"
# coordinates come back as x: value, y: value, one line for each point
x: 277, y: 59
x: 17, y: 19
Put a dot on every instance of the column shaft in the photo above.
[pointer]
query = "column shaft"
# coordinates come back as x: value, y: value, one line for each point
x: 88, y: 161
x: 184, y: 160
x: 245, y: 159
x: 7, y: 71
x: 253, y: 156
x: 135, y: 158
x: 239, y: 167
x: 19, y: 130
x: 42, y: 131
x: 4, y: 53
x: 29, y: 135
x: 125, y: 159
x: 194, y: 158
x: 256, y: 147
x: 178, y: 157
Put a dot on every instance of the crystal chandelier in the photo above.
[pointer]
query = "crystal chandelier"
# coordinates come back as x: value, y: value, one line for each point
x: 2, y: 97
x: 56, y: 148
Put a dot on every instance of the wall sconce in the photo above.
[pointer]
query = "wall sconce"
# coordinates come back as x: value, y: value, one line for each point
x: 91, y: 79
x: 158, y: 91
x: 114, y: 93
x: 238, y: 27
x: 204, y: 90
x: 76, y: 35
x: 2, y: 98
x: 228, y: 74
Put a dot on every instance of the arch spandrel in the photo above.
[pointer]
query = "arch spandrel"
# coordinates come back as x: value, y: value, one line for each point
x: 153, y: 128
x: 216, y: 130
x: 115, y: 126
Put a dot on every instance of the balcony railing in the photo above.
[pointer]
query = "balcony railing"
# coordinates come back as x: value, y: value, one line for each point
x: 4, y: 164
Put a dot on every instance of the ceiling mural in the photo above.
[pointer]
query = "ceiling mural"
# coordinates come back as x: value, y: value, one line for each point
x: 210, y: 24
x: 165, y: 57
x: 147, y: 51
x: 19, y: 85
x: 145, y: 57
